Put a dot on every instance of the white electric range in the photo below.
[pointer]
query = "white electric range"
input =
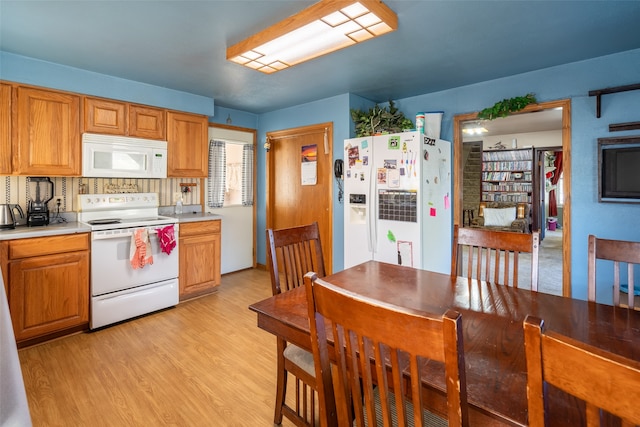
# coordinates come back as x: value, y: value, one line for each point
x: 120, y: 291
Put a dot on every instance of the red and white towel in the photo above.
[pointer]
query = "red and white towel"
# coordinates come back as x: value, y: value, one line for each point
x: 140, y: 253
x: 166, y: 238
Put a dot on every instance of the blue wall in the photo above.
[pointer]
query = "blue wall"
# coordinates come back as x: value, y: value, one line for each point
x: 26, y: 70
x: 335, y: 110
x: 573, y: 81
x: 238, y: 118
x: 617, y: 221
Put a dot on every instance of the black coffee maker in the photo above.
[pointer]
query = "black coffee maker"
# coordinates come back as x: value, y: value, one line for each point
x: 40, y: 193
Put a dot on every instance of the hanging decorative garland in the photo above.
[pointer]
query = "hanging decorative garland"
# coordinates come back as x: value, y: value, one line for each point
x: 507, y: 106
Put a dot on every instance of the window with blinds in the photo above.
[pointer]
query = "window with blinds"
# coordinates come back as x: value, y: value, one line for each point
x: 230, y: 174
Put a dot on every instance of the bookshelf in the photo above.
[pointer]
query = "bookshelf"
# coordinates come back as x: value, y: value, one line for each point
x: 507, y: 176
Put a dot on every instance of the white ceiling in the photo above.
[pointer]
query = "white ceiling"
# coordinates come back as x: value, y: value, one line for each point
x: 439, y: 44
x: 539, y: 121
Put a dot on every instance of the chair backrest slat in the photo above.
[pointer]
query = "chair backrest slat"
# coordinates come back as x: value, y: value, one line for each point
x: 494, y: 252
x: 575, y: 368
x: 382, y: 345
x: 620, y: 252
x: 292, y: 253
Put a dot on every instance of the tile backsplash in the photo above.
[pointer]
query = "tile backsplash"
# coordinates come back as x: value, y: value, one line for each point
x: 16, y: 189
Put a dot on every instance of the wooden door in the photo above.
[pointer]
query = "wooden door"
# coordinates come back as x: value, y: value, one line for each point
x: 289, y: 203
x: 48, y: 133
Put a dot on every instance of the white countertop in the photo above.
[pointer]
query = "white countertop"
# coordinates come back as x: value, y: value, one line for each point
x: 72, y: 227
x: 25, y: 232
x: 195, y: 216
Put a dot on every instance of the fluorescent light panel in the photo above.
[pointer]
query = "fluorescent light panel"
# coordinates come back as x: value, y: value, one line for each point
x: 323, y: 28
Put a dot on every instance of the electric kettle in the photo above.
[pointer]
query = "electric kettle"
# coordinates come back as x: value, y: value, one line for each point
x: 7, y: 218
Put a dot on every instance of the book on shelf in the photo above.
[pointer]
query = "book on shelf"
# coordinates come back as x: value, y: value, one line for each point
x: 523, y: 154
x: 507, y: 176
x: 506, y: 197
x: 516, y: 165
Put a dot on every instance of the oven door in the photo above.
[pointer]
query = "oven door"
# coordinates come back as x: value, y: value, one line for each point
x: 111, y: 268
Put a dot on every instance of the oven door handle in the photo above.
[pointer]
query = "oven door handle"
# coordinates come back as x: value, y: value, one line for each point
x: 118, y: 234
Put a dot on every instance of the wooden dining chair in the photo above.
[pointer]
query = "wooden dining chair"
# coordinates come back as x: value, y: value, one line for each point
x: 291, y: 253
x: 618, y: 251
x: 382, y: 353
x: 603, y: 380
x: 489, y: 253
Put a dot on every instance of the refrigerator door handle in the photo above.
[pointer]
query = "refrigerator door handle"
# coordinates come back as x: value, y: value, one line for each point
x: 373, y: 208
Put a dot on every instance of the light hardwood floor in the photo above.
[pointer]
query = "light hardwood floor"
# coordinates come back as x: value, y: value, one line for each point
x: 202, y: 363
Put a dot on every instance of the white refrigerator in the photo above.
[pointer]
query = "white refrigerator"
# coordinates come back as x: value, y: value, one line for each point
x: 398, y: 201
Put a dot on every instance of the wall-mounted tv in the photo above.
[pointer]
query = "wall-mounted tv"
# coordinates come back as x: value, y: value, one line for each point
x: 619, y: 169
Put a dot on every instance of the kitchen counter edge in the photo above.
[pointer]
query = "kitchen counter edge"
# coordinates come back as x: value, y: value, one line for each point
x: 73, y: 227
x: 25, y: 232
x: 195, y: 217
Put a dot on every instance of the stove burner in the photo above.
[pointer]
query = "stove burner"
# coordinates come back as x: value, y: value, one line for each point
x: 104, y: 221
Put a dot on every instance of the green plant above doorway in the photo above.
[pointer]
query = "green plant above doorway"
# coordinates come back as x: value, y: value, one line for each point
x: 380, y: 120
x: 507, y: 106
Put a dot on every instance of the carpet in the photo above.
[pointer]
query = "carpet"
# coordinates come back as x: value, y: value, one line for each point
x: 549, y: 265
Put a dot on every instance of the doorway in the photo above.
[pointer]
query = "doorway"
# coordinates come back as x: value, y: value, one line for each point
x: 561, y: 105
x: 239, y: 223
x: 549, y: 195
x: 299, y: 181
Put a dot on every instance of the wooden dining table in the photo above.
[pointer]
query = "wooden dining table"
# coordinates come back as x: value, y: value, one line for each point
x: 492, y: 317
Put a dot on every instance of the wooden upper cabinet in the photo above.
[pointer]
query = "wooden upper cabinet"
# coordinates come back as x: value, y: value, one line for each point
x: 146, y: 122
x: 187, y: 145
x: 106, y: 116
x: 47, y: 133
x: 5, y: 129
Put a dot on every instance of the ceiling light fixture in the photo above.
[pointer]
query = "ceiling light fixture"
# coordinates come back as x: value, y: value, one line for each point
x: 478, y: 130
x: 322, y: 28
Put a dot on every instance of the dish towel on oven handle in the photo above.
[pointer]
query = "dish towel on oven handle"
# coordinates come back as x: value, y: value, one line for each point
x: 166, y: 238
x: 140, y: 253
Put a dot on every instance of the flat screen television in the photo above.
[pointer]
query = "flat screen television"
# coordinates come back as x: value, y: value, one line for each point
x: 619, y: 169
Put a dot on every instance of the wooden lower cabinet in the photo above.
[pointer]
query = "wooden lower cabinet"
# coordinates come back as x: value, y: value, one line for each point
x: 199, y: 258
x: 48, y: 284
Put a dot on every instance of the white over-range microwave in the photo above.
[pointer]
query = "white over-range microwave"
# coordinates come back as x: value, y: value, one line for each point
x: 110, y: 156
